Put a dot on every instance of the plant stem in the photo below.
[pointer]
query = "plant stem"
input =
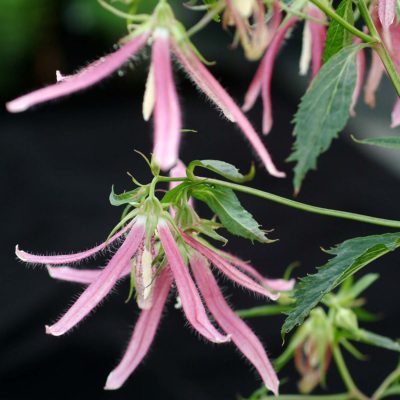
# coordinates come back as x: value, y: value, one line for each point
x: 380, y: 47
x: 306, y: 207
x: 341, y: 396
x: 288, y: 202
x: 263, y: 311
x: 345, y: 374
x: 386, y: 383
x: 324, y: 7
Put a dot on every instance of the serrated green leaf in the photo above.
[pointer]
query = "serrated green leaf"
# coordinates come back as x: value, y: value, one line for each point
x: 367, y: 337
x: 173, y: 195
x: 349, y: 257
x: 337, y: 36
x: 388, y: 142
x: 224, y: 169
x: 323, y: 111
x: 224, y: 203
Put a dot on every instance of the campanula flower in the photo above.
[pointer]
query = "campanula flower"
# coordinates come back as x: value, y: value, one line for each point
x: 165, y: 36
x: 160, y: 256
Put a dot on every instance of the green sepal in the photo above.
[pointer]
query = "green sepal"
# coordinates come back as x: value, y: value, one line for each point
x: 348, y: 258
x: 132, y: 197
x: 237, y: 220
x: 123, y: 221
x: 228, y: 171
x: 373, y: 339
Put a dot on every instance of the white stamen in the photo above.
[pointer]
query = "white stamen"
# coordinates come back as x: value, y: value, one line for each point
x: 149, y: 97
x: 306, y: 49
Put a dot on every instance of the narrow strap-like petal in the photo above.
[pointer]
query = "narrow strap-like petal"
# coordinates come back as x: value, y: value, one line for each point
x: 396, y: 114
x: 255, y: 86
x: 229, y: 270
x: 188, y: 293
x: 143, y: 334
x: 97, y: 290
x: 360, y: 78
x: 318, y: 37
x: 68, y: 258
x: 386, y: 12
x: 167, y: 115
x: 86, y: 77
x: 85, y: 276
x: 269, y: 60
x: 243, y: 337
x: 205, y: 80
x: 280, y: 285
x: 374, y: 78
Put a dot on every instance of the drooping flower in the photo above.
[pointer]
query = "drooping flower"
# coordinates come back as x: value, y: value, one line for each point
x: 390, y: 32
x: 253, y: 35
x: 164, y: 34
x: 313, y: 45
x: 161, y: 255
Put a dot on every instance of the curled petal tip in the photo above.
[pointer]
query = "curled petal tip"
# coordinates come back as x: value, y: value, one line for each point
x: 20, y: 253
x: 16, y: 106
x: 51, y: 331
x: 111, y: 384
x: 225, y: 339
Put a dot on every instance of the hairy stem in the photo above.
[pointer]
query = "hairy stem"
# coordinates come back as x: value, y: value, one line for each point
x: 208, y: 17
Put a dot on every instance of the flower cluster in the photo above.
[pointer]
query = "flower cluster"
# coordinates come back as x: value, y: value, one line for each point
x: 161, y: 254
x: 165, y: 36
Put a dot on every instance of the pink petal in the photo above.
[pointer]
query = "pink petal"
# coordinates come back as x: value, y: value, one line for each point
x: 360, y: 78
x: 255, y: 86
x: 230, y: 271
x: 268, y: 63
x: 68, y: 258
x: 167, y: 115
x: 318, y: 34
x: 280, y: 285
x: 201, y: 76
x: 396, y: 114
x: 143, y: 334
x: 374, y: 77
x: 190, y: 298
x: 85, y: 276
x: 97, y: 290
x: 88, y: 76
x: 179, y: 171
x: 243, y: 337
x: 387, y: 12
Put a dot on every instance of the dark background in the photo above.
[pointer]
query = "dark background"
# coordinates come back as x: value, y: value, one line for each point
x: 57, y: 165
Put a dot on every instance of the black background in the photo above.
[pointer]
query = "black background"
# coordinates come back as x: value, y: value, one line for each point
x: 57, y: 165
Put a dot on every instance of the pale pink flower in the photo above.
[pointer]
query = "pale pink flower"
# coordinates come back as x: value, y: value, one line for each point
x: 140, y: 248
x: 390, y: 33
x: 386, y: 12
x: 313, y: 46
x: 253, y: 35
x: 160, y: 95
x: 360, y: 78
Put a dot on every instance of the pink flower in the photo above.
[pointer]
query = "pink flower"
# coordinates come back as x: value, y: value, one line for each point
x: 160, y: 95
x: 156, y: 251
x: 389, y: 29
x: 313, y: 45
x: 253, y: 36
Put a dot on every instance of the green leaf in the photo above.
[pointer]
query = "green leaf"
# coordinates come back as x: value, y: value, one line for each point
x: 367, y: 337
x: 337, y: 36
x: 388, y: 142
x: 323, y: 111
x: 349, y: 257
x: 224, y: 169
x: 224, y: 203
x: 173, y: 195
